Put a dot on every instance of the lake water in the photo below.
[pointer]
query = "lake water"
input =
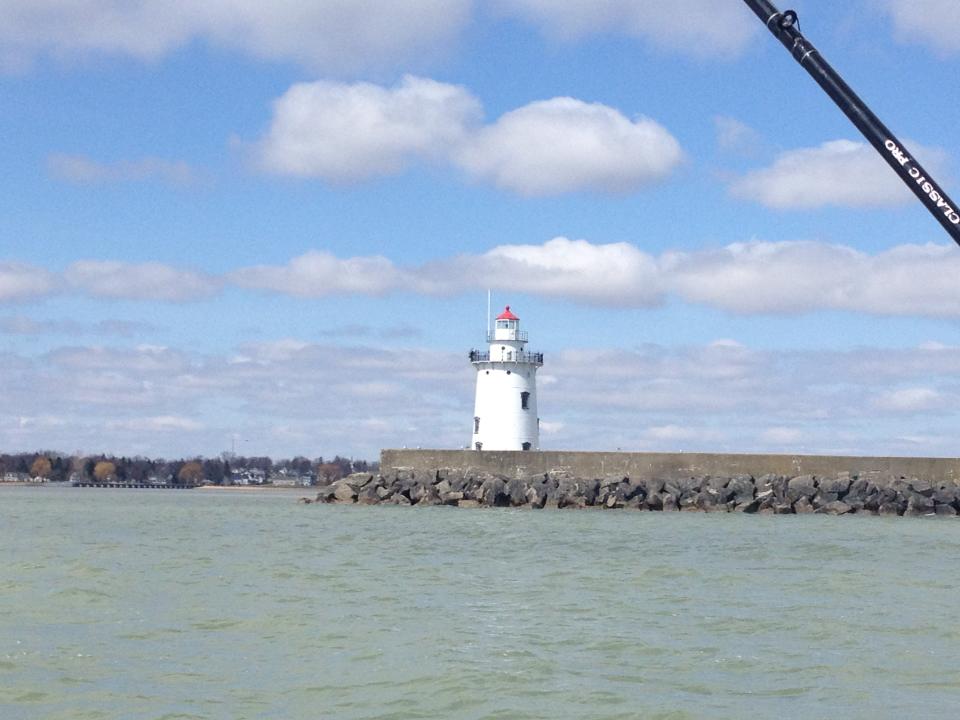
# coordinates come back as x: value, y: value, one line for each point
x: 203, y: 604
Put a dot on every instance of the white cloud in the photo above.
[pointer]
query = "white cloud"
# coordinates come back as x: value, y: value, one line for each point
x: 761, y: 277
x: 672, y: 433
x: 748, y: 278
x: 930, y: 21
x: 751, y: 278
x: 781, y: 436
x: 159, y: 423
x: 798, y: 277
x: 736, y: 136
x: 697, y: 27
x: 146, y: 360
x: 612, y: 274
x: 910, y: 400
x: 550, y: 428
x: 337, y: 35
x: 348, y: 132
x: 320, y: 274
x: 342, y: 133
x: 566, y: 145
x: 160, y: 401
x: 837, y: 173
x: 738, y: 399
x: 341, y: 35
x: 22, y: 325
x: 24, y: 282
x: 139, y: 281
x: 290, y: 397
x: 617, y: 273
x: 83, y: 170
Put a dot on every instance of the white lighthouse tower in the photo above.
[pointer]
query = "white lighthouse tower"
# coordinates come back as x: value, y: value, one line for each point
x: 505, y: 412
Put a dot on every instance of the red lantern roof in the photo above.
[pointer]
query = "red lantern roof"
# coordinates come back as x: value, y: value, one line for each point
x: 507, y: 315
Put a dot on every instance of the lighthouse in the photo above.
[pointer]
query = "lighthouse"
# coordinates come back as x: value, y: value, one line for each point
x: 505, y: 411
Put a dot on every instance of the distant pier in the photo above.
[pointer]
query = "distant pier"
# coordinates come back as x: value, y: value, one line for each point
x: 133, y: 486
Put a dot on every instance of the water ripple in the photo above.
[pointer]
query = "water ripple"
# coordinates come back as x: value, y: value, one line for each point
x: 146, y: 606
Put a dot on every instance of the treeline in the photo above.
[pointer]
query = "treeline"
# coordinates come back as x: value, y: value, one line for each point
x: 226, y: 470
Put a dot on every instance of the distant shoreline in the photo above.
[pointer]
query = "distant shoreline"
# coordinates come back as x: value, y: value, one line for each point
x: 231, y: 488
x: 253, y: 488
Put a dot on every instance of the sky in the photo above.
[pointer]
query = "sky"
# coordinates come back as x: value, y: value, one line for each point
x: 271, y: 227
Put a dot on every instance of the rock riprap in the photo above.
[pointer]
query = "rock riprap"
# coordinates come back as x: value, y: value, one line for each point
x: 843, y: 494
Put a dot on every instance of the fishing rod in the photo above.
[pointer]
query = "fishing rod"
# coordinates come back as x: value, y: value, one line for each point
x: 785, y: 27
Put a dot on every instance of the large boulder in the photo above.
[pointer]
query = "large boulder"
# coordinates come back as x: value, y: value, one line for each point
x: 822, y: 499
x: 801, y: 486
x: 921, y: 487
x: 358, y: 480
x: 779, y: 484
x: 517, y: 492
x: 494, y: 493
x: 634, y: 493
x: 429, y: 495
x: 325, y: 494
x: 838, y: 486
x: 591, y: 489
x: 456, y: 479
x: 537, y: 495
x: 901, y: 486
x: 860, y: 495
x: 946, y: 495
x: 612, y: 480
x: 711, y: 500
x: 368, y: 495
x: 416, y: 491
x: 803, y: 506
x: 613, y: 501
x: 687, y: 490
x: 651, y: 486
x: 920, y: 505
x: 742, y: 490
x: 715, y: 482
x: 344, y: 492
x: 837, y: 507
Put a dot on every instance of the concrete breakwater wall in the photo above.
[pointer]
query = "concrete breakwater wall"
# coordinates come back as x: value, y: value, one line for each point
x: 840, y: 494
x: 639, y: 466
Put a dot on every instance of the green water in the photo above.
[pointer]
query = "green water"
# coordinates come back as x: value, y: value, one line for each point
x: 165, y: 605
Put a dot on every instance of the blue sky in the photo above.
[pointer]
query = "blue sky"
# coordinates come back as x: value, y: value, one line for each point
x: 274, y: 225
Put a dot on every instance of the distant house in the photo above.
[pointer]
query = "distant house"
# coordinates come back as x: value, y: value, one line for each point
x: 18, y: 477
x: 248, y: 476
x: 291, y: 478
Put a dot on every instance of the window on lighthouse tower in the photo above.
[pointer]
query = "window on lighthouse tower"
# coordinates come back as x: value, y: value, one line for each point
x: 524, y: 401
